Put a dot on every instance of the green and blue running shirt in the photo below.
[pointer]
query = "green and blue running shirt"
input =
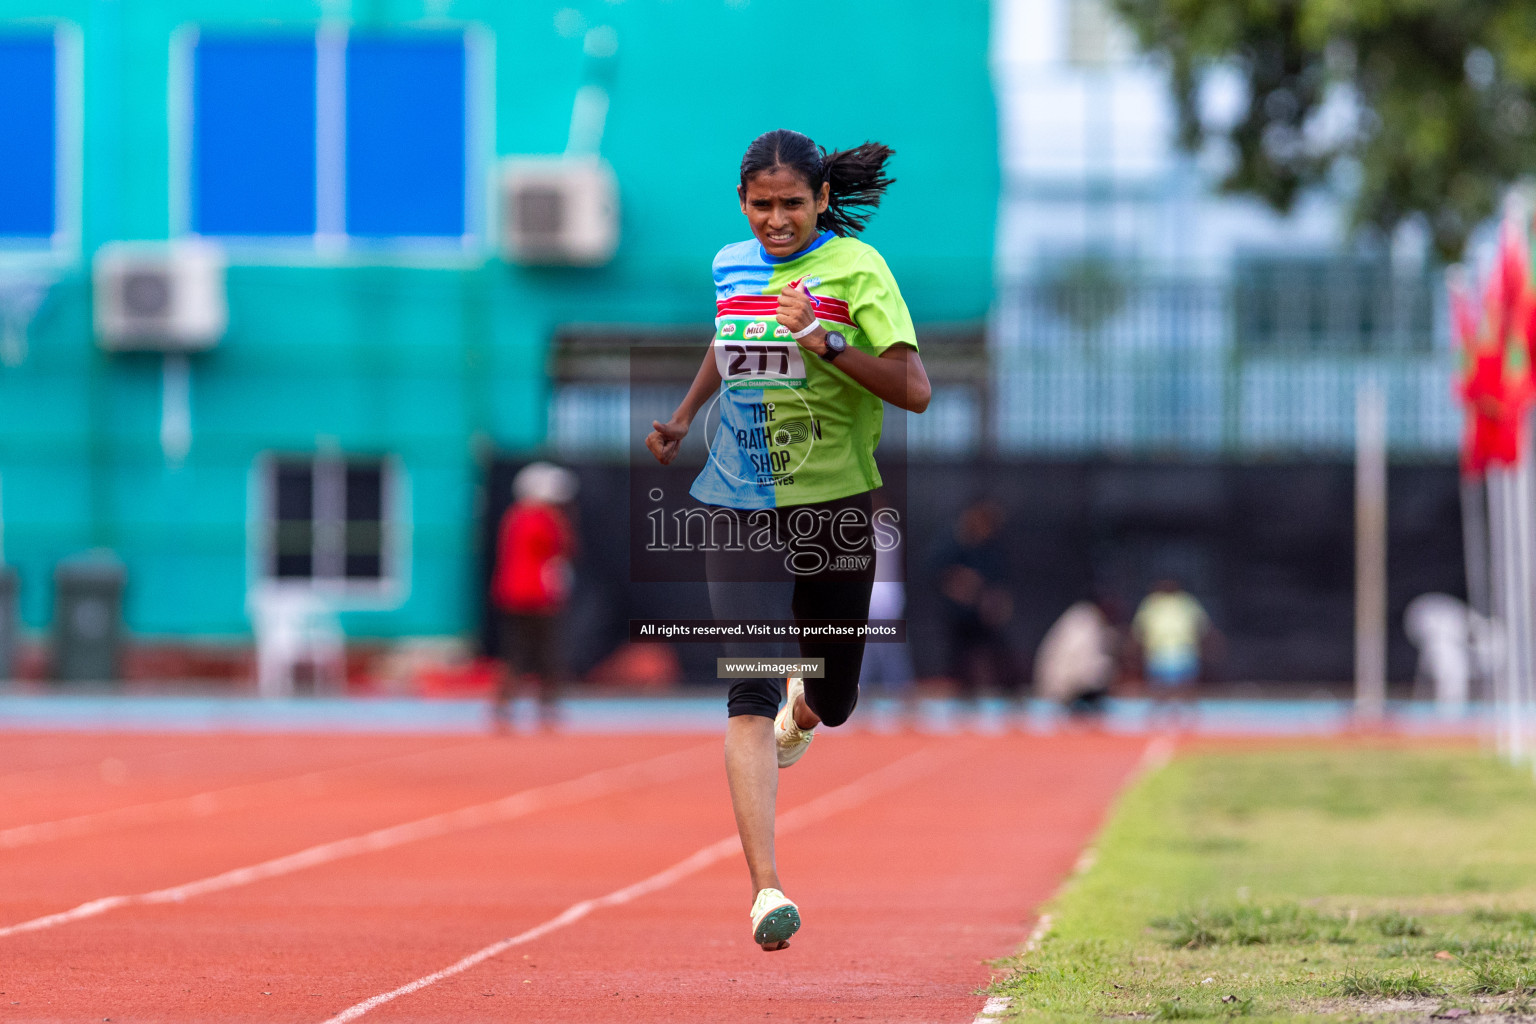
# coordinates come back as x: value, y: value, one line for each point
x: 793, y: 428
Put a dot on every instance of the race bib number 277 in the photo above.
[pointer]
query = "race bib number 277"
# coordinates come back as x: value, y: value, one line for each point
x: 752, y: 355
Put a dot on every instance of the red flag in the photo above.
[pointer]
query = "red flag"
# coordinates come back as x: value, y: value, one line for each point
x: 1497, y: 383
x: 1481, y: 388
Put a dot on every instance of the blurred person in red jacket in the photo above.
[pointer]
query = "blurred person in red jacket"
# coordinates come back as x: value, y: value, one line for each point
x: 531, y: 584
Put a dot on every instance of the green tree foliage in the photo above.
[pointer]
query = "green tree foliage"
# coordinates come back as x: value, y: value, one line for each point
x: 1439, y: 99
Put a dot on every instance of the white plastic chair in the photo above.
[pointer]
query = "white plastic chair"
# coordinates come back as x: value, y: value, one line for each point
x: 1441, y: 627
x: 295, y: 626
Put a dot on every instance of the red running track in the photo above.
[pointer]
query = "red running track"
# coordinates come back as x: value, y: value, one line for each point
x: 928, y: 858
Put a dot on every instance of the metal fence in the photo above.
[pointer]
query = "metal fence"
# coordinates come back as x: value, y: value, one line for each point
x: 1262, y: 366
x: 1216, y: 405
x: 1266, y: 365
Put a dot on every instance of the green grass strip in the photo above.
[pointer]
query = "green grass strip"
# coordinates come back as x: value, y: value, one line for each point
x: 1326, y: 883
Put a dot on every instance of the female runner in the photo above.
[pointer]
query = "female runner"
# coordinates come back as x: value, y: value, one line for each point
x: 811, y: 336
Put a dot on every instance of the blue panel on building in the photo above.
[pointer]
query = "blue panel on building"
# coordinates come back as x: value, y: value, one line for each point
x: 27, y: 118
x: 253, y: 150
x: 405, y: 137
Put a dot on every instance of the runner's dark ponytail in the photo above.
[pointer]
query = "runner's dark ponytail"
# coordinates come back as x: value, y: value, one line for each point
x: 858, y: 180
x: 855, y: 177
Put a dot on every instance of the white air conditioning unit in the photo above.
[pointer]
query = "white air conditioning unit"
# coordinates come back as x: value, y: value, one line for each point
x: 159, y: 297
x: 559, y: 211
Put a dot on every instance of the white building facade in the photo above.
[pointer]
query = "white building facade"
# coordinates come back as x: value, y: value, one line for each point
x: 1140, y: 312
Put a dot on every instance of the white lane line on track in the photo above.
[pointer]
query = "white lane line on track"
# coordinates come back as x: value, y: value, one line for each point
x: 197, y: 805
x: 1154, y: 756
x: 995, y: 1008
x: 1042, y: 929
x: 595, y: 784
x: 859, y: 791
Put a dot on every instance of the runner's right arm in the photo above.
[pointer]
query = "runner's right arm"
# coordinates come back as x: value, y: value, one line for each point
x: 665, y: 438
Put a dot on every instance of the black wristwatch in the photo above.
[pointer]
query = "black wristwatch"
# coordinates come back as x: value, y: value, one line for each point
x: 836, y: 346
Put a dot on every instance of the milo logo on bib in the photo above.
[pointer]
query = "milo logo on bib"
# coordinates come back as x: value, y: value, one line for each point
x: 756, y: 329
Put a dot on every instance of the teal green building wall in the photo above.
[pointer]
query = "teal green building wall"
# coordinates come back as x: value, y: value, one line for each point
x: 433, y: 359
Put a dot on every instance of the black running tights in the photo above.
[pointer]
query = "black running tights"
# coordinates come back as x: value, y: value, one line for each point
x: 748, y: 585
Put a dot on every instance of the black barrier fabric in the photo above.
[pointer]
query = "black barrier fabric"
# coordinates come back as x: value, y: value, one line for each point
x: 1268, y: 549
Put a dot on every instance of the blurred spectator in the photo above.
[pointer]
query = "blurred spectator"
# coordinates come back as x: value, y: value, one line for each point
x: 531, y: 585
x: 1170, y: 631
x: 1440, y: 626
x: 1075, y: 665
x: 976, y: 603
x: 887, y: 667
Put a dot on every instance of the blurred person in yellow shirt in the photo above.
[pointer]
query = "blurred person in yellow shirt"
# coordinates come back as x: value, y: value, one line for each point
x: 1170, y: 629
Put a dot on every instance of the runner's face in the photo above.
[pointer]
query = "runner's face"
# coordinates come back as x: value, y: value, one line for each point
x: 782, y: 210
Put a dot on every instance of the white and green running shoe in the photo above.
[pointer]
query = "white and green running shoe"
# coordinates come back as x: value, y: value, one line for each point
x: 774, y: 918
x: 792, y: 740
